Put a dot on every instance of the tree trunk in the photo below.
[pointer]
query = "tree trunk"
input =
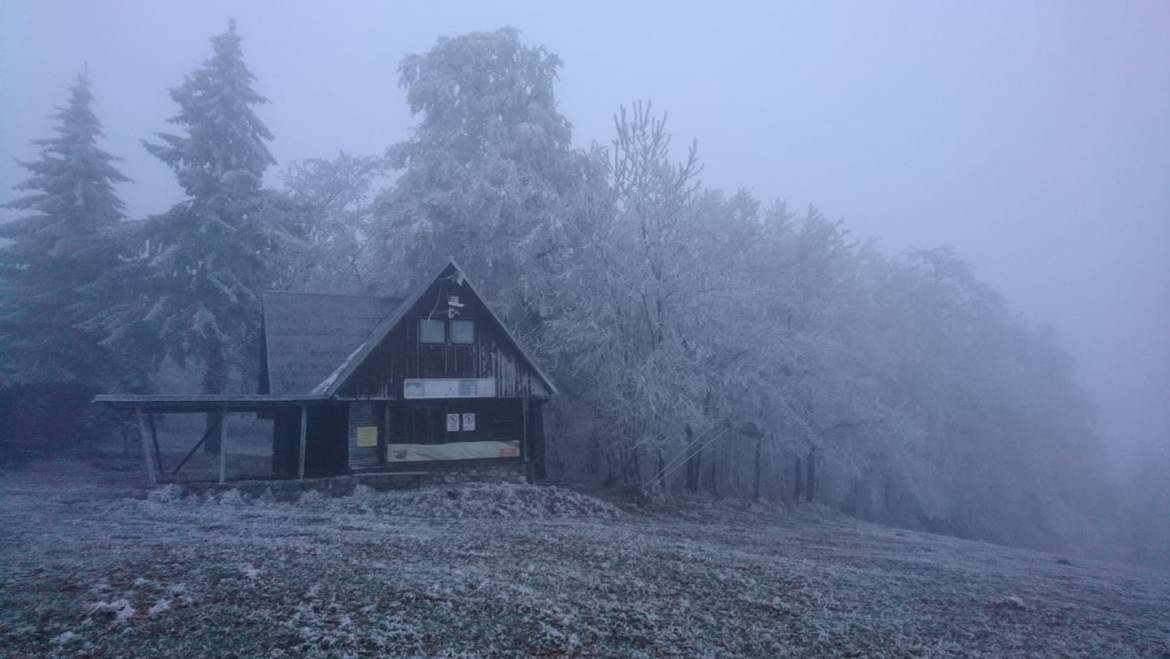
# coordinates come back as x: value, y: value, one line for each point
x: 592, y: 460
x: 692, y: 473
x: 660, y: 468
x: 812, y: 474
x: 714, y: 475
x: 797, y: 490
x: 756, y: 489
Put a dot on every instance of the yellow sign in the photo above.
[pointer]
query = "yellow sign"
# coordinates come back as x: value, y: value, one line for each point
x: 367, y: 436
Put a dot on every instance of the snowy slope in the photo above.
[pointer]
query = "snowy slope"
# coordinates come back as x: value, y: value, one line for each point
x: 515, y: 570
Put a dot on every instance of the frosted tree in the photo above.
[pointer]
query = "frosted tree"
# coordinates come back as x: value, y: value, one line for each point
x: 57, y: 249
x: 623, y: 315
x: 332, y: 210
x: 487, y: 172
x: 201, y: 265
x: 224, y: 154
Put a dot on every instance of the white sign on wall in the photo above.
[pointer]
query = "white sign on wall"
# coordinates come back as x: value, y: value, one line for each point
x: 468, y: 421
x: 453, y: 422
x: 415, y: 388
x: 453, y: 451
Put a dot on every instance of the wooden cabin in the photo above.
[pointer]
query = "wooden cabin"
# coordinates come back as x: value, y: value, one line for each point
x: 434, y: 382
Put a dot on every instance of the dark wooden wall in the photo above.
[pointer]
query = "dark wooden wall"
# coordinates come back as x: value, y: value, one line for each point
x: 325, y: 448
x: 424, y: 421
x: 366, y: 413
x: 400, y: 355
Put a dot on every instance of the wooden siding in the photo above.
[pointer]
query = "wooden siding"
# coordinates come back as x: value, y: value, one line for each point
x: 400, y: 355
x: 325, y: 448
x: 362, y: 413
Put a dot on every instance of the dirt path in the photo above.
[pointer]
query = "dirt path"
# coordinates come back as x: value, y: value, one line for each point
x: 516, y: 570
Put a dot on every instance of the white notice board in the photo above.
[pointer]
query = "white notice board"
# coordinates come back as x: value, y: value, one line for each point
x: 416, y: 388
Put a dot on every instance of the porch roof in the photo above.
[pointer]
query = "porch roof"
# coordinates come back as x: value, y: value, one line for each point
x: 206, y: 402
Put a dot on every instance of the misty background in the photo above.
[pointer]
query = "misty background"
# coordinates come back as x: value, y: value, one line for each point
x: 1034, y: 140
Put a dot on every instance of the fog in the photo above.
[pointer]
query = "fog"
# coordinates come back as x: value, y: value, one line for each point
x: 737, y: 324
x: 1032, y: 138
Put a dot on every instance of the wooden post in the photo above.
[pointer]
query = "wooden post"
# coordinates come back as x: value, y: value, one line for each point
x: 150, y: 476
x: 223, y: 447
x: 304, y: 428
x: 384, y: 438
x: 154, y: 440
x: 524, y: 436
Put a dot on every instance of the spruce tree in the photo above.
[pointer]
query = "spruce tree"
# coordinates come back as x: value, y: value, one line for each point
x: 57, y: 250
x: 223, y: 156
x: 204, y: 262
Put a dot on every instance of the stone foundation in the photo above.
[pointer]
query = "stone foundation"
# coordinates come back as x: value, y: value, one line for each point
x: 472, y: 473
x: 338, y: 486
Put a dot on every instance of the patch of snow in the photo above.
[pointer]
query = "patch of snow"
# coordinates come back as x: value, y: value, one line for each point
x: 120, y: 608
x: 167, y: 493
x: 232, y: 497
x: 476, y: 500
x: 312, y: 496
x: 1012, y: 602
x: 65, y: 638
x: 160, y: 606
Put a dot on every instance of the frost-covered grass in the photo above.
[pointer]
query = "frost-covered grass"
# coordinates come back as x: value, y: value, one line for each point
x: 513, y: 570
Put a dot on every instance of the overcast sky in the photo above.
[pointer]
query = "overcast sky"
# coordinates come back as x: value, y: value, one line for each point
x: 1033, y: 137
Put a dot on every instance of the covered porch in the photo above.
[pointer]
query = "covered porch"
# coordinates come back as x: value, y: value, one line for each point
x: 308, y: 415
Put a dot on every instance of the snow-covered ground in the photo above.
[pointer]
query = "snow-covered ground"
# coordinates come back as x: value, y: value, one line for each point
x: 86, y: 568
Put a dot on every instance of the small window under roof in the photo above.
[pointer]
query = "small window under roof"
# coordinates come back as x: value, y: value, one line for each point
x: 462, y: 331
x: 432, y: 331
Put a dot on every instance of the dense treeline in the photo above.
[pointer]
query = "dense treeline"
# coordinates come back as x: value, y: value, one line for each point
x: 703, y: 341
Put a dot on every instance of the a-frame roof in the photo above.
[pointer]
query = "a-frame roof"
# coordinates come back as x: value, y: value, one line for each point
x: 306, y: 335
x: 349, y: 354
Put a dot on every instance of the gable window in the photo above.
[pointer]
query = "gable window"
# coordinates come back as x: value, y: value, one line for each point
x: 462, y: 331
x: 432, y: 331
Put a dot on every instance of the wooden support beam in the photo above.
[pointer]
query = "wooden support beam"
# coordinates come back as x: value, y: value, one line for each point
x: 223, y: 447
x: 524, y: 448
x: 304, y: 429
x: 154, y: 440
x: 150, y: 476
x: 206, y: 435
x: 384, y: 437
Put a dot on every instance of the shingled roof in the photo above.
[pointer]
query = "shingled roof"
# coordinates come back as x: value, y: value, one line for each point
x: 331, y: 384
x: 306, y: 335
x: 314, y: 342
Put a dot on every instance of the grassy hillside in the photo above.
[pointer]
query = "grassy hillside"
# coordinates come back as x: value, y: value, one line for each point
x: 507, y: 570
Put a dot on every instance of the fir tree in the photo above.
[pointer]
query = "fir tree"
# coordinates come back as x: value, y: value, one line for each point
x: 224, y: 154
x: 57, y: 250
x: 203, y: 263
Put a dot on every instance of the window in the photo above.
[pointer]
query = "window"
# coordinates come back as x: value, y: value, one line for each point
x: 462, y: 331
x: 432, y: 331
